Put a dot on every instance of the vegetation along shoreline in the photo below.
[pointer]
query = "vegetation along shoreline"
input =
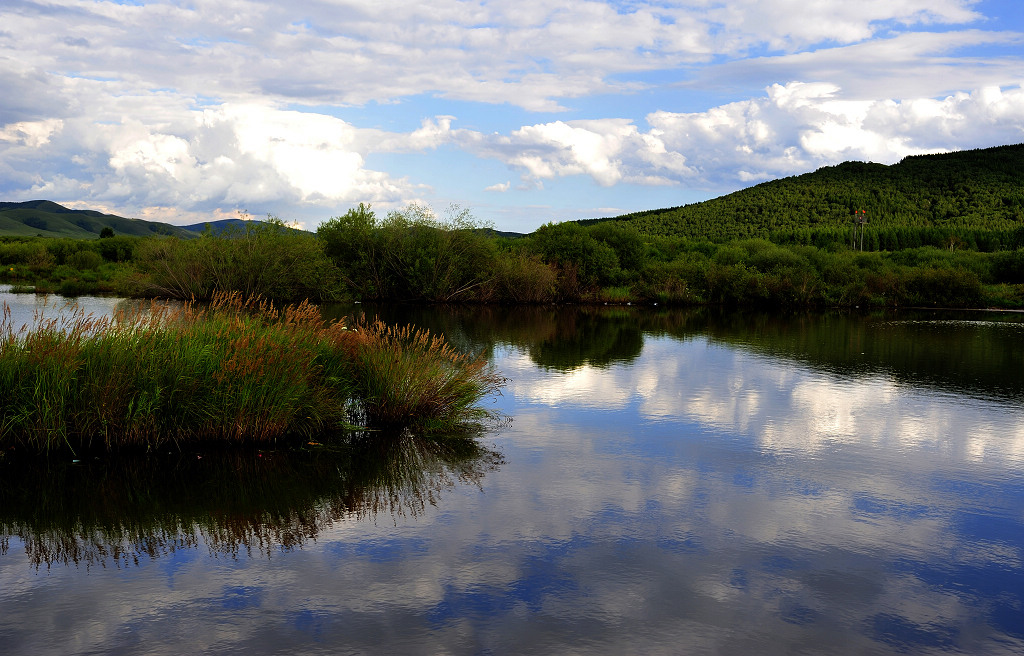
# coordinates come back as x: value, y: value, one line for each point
x: 932, y: 231
x: 234, y: 370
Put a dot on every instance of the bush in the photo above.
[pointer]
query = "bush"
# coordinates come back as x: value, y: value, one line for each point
x: 411, y: 255
x: 84, y: 259
x: 571, y: 248
x: 1008, y: 267
x: 944, y: 288
x: 523, y: 278
x: 266, y: 259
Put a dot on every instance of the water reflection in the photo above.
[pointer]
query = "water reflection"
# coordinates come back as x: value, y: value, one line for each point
x: 980, y: 354
x: 556, y: 338
x: 27, y: 310
x: 118, y: 510
x: 676, y: 482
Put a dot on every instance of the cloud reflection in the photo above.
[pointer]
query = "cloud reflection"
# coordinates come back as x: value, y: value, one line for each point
x: 700, y: 496
x: 782, y: 405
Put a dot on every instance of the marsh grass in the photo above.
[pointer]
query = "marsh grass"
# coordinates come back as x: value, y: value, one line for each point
x: 405, y: 375
x: 236, y: 370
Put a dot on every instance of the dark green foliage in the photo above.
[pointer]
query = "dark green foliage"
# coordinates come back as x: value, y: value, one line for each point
x: 570, y: 246
x: 943, y: 288
x: 69, y: 266
x: 266, y: 259
x: 971, y: 199
x: 411, y: 255
x: 1008, y: 267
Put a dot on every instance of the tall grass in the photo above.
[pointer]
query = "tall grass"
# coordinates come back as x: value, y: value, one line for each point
x: 405, y: 375
x: 236, y: 370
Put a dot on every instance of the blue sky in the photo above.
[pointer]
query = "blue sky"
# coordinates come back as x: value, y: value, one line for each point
x: 522, y: 111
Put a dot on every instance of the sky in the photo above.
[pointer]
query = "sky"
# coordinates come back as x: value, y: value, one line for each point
x: 520, y: 111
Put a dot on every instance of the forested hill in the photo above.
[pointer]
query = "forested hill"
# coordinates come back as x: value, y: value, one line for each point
x: 48, y: 219
x: 967, y: 191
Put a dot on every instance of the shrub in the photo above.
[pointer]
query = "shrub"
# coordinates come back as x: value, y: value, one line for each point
x: 84, y: 259
x: 267, y: 259
x: 571, y: 247
x: 944, y: 288
x: 523, y: 278
x: 411, y: 255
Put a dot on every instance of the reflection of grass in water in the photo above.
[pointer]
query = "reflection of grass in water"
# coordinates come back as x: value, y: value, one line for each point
x: 233, y: 501
x: 233, y: 371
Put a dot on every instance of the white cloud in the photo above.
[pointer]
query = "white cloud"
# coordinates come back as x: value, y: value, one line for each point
x: 908, y: 65
x: 499, y: 187
x: 794, y: 128
x: 608, y: 150
x: 789, y: 24
x: 527, y: 53
x: 165, y: 105
x: 31, y: 134
x: 220, y: 158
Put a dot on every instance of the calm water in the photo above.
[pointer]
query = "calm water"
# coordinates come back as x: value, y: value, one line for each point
x: 670, y: 482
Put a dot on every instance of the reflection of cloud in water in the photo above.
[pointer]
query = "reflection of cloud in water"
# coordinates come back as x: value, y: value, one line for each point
x: 585, y: 385
x: 854, y: 511
x: 704, y: 499
x: 783, y: 406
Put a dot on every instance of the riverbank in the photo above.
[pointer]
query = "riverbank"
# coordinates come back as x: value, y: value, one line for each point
x: 410, y: 257
x: 232, y: 371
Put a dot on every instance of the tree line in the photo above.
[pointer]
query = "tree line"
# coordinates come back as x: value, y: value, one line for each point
x: 416, y: 255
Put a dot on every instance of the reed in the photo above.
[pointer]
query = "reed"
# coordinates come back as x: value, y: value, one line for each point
x: 407, y: 376
x: 236, y: 370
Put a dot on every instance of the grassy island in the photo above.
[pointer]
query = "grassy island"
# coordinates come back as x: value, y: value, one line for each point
x: 236, y: 370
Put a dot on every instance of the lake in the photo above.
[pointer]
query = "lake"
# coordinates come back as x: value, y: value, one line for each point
x: 669, y: 481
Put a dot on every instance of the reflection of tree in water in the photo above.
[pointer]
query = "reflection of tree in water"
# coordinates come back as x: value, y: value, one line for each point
x: 559, y: 338
x: 595, y: 338
x: 960, y: 352
x: 118, y: 510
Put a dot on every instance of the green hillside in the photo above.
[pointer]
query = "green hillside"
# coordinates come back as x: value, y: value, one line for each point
x: 46, y: 218
x: 966, y: 192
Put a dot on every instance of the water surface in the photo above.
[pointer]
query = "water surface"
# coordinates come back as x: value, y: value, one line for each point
x: 670, y: 482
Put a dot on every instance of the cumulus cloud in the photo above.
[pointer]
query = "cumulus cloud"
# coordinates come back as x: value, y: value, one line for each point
x: 232, y: 155
x: 608, y: 150
x: 202, y: 106
x: 793, y: 128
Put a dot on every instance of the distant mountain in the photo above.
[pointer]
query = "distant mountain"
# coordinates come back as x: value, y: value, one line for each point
x: 975, y: 189
x: 218, y: 226
x: 46, y: 218
x: 230, y: 225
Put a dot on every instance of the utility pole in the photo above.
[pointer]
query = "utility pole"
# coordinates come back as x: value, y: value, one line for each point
x: 860, y: 217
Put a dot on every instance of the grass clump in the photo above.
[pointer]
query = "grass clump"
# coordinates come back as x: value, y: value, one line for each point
x: 233, y: 371
x: 405, y: 375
